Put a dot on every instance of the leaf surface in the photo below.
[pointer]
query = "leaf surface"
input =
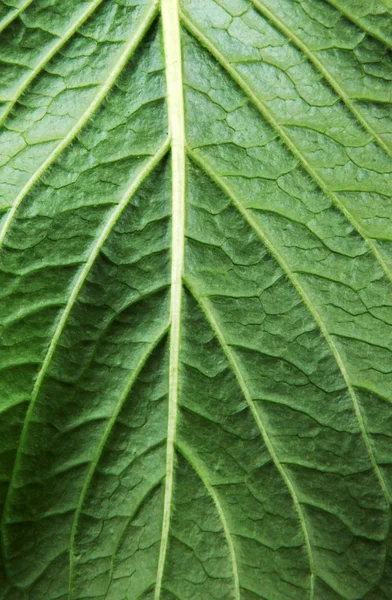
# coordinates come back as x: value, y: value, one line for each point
x: 196, y: 319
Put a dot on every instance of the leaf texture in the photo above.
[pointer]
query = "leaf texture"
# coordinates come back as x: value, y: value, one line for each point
x: 196, y: 317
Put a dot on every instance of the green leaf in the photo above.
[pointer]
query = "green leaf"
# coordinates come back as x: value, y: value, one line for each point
x: 196, y: 307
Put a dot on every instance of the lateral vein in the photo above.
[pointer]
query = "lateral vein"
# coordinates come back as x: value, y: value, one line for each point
x: 113, y: 218
x: 199, y: 470
x: 264, y: 238
x: 129, y: 48
x: 333, y: 82
x: 359, y: 23
x: 44, y: 61
x: 205, y: 305
x: 13, y: 15
x: 175, y: 101
x: 268, y: 116
x: 94, y: 464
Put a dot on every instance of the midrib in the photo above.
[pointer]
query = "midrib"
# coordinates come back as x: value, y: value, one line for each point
x: 172, y: 49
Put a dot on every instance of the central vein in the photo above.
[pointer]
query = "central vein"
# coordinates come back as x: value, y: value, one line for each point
x: 172, y: 48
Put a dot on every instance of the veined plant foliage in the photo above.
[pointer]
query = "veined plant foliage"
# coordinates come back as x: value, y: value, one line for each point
x: 196, y: 299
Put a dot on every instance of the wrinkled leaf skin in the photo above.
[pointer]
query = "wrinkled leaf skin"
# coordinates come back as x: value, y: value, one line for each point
x: 195, y: 300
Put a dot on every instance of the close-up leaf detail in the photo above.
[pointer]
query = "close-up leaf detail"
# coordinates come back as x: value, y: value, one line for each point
x: 196, y: 299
